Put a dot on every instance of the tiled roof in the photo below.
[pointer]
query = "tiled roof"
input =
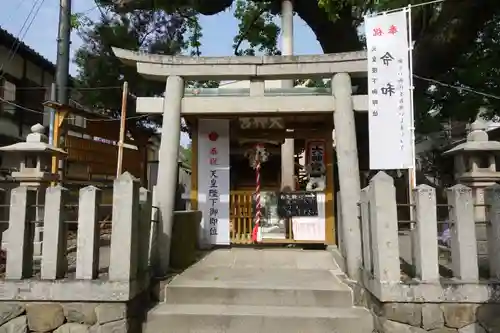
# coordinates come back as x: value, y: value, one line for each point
x: 7, y: 40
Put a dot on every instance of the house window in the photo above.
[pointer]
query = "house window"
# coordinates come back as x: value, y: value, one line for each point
x: 8, y: 94
x: 78, y: 121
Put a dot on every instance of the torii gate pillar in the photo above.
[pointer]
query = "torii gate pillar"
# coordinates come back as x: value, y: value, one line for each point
x: 288, y: 147
x: 167, y: 168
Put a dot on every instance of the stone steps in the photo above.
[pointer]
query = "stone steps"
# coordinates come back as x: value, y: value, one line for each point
x: 209, y: 318
x: 273, y: 287
x: 252, y: 291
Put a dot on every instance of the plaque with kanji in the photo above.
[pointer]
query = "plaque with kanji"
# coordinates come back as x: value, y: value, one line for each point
x: 292, y: 204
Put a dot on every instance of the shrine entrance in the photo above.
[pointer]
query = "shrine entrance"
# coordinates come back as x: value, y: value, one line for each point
x: 303, y: 214
x: 225, y: 150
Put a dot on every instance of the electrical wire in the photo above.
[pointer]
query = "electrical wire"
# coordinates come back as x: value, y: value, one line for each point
x: 459, y: 88
x: 408, y: 6
x: 19, y: 4
x: 440, y: 83
x: 70, y: 88
x: 83, y: 12
x: 86, y: 119
x: 15, y: 47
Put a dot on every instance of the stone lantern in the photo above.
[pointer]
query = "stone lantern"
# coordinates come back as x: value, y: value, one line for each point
x: 34, y: 157
x: 475, y: 167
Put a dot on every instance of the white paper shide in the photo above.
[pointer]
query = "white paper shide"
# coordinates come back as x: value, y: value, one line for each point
x: 213, y: 180
x: 390, y: 115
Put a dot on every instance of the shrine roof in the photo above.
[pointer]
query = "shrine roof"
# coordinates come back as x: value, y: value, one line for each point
x: 243, y: 67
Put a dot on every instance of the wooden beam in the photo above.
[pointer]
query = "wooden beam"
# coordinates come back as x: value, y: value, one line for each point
x: 194, y: 166
x: 330, y: 227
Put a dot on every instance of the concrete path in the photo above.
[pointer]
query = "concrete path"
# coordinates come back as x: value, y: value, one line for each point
x: 254, y: 290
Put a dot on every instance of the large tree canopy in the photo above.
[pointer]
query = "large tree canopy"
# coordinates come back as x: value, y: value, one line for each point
x: 442, y: 31
x: 455, y: 42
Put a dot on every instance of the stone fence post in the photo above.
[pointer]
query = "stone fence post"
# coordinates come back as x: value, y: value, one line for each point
x: 426, y: 247
x: 463, y: 233
x: 88, y: 237
x: 366, y: 243
x: 153, y: 238
x: 54, y: 246
x: 21, y: 234
x: 492, y: 201
x: 144, y: 229
x: 124, y: 250
x: 384, y: 228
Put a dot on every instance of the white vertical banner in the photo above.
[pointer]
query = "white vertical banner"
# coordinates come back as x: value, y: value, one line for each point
x: 390, y: 104
x: 213, y: 180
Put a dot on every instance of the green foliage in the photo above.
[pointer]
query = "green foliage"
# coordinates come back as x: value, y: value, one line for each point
x: 477, y: 70
x: 154, y: 31
x: 172, y: 27
x: 187, y: 154
x: 256, y: 29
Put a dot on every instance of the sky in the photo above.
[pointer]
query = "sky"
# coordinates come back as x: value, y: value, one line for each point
x: 218, y: 30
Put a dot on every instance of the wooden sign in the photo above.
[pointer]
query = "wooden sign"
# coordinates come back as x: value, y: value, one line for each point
x: 262, y: 123
x: 315, y: 152
x: 292, y: 204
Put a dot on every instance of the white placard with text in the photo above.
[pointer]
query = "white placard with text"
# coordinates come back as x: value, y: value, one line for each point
x: 213, y: 180
x: 390, y: 113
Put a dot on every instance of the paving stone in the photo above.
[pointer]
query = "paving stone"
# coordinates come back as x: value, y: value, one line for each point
x: 459, y: 315
x: 73, y: 328
x: 432, y: 317
x: 10, y: 311
x: 81, y: 313
x: 16, y: 325
x: 110, y: 312
x: 44, y: 317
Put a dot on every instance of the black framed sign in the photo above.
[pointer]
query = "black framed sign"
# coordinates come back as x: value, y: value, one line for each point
x: 292, y: 204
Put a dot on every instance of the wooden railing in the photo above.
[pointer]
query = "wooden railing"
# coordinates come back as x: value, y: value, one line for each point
x: 241, y: 217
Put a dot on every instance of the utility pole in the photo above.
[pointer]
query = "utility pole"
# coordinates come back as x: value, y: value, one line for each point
x: 62, y: 74
x: 121, y: 142
x: 63, y: 43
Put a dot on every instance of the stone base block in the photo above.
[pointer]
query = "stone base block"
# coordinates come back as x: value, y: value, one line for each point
x: 74, y: 317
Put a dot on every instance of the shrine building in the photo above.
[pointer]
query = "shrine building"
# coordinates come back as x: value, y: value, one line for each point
x: 234, y: 129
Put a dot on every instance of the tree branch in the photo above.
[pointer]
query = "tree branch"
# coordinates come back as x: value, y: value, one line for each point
x: 439, y: 46
x: 334, y: 36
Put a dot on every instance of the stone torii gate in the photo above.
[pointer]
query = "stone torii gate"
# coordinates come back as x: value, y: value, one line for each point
x: 342, y: 105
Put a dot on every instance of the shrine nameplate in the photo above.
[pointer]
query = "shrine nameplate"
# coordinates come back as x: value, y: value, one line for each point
x: 292, y: 204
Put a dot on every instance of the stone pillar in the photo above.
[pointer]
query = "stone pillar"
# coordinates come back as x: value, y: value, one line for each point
x: 426, y: 248
x: 464, y: 261
x: 167, y: 168
x: 39, y: 214
x: 348, y: 166
x: 288, y: 147
x: 384, y: 228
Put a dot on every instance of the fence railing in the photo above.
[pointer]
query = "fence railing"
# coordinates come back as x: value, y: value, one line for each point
x: 126, y: 258
x: 381, y: 232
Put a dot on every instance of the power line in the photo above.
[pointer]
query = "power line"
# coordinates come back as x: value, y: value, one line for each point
x: 87, y: 10
x: 15, y: 46
x: 459, y: 88
x: 86, y: 119
x: 19, y: 4
x: 69, y: 88
x: 405, y: 7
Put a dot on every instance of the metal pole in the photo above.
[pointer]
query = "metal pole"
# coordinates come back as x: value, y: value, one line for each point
x: 123, y: 118
x: 53, y: 96
x: 62, y: 71
x: 63, y: 44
